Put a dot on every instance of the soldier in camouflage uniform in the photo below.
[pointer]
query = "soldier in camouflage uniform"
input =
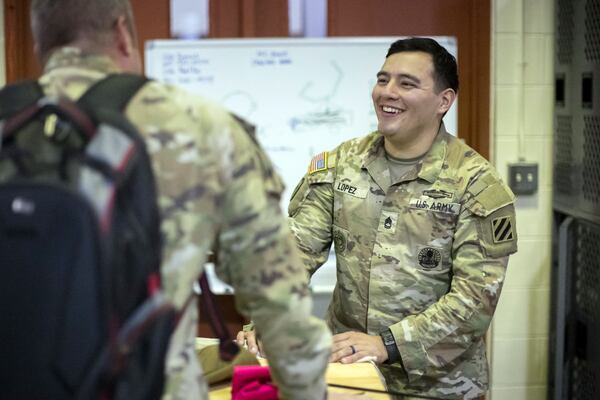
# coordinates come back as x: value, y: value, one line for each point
x: 215, y: 185
x: 422, y: 227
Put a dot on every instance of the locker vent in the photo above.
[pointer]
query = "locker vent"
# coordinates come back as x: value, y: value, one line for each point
x: 591, y: 159
x: 592, y: 30
x: 564, y: 38
x: 563, y: 154
x: 587, y: 273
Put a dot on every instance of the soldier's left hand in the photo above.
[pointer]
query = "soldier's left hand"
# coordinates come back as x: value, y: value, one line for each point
x: 350, y: 347
x: 247, y: 339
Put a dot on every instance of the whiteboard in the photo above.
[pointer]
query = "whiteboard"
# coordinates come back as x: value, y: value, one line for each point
x: 304, y: 96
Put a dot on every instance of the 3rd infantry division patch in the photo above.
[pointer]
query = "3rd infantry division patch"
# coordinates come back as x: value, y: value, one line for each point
x: 502, y: 229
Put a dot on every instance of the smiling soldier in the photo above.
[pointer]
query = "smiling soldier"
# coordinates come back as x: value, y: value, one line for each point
x: 423, y: 228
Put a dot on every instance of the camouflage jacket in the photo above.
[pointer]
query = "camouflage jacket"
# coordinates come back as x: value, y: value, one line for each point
x: 425, y: 256
x: 216, y: 184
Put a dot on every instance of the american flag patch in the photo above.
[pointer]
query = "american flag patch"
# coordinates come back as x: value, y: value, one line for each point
x: 318, y: 163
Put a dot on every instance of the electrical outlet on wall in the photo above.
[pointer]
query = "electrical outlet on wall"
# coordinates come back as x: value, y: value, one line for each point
x: 523, y: 178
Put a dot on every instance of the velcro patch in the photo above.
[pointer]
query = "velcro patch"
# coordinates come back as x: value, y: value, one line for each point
x: 318, y: 163
x: 502, y: 229
x: 352, y: 190
x: 429, y: 257
x: 388, y: 222
x: 435, y: 205
x: 498, y: 232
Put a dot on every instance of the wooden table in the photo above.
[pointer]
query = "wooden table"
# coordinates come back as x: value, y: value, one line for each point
x: 361, y: 375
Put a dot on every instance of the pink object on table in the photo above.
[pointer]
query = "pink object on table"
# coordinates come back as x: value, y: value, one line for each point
x: 252, y: 383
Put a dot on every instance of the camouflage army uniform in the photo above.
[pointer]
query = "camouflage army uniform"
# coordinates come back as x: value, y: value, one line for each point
x: 425, y: 256
x: 215, y: 183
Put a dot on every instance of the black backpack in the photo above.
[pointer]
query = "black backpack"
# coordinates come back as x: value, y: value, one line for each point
x: 81, y: 313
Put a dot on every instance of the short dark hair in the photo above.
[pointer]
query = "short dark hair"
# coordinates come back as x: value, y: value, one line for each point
x: 444, y: 63
x: 56, y: 23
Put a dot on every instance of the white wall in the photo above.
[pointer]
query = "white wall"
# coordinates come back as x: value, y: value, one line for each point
x: 522, y: 110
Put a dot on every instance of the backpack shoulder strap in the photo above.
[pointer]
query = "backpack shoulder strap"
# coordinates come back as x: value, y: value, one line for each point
x: 112, y: 92
x: 17, y: 96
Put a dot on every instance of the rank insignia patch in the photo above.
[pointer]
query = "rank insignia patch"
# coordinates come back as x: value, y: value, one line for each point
x: 318, y: 163
x: 502, y: 229
x: 388, y: 222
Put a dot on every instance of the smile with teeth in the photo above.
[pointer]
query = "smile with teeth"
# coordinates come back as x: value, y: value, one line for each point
x: 390, y: 109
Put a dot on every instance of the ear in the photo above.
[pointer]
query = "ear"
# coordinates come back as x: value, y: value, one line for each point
x: 447, y: 97
x: 122, y: 36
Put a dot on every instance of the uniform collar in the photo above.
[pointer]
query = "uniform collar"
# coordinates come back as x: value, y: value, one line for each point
x: 375, y: 150
x: 432, y: 163
x: 77, y: 58
x: 375, y: 163
x: 428, y: 168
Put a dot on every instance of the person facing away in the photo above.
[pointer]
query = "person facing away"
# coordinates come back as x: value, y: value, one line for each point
x: 215, y: 186
x: 422, y: 227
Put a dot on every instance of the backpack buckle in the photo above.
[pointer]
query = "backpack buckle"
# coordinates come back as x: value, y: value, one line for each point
x: 50, y: 125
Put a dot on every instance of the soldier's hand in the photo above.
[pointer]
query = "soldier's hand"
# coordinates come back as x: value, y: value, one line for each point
x: 350, y: 347
x: 248, y: 338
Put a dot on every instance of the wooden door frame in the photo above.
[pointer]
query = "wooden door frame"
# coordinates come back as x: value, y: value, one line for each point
x: 18, y: 42
x: 477, y: 133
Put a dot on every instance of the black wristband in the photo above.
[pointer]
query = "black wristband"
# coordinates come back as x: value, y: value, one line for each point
x: 390, y: 346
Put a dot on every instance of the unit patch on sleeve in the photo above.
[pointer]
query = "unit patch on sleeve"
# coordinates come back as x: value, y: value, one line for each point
x: 502, y: 229
x: 318, y: 163
x: 498, y: 232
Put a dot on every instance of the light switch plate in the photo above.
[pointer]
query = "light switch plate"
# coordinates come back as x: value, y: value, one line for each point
x: 523, y: 178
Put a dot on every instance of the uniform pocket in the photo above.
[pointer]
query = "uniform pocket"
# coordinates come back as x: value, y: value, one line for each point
x: 431, y: 234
